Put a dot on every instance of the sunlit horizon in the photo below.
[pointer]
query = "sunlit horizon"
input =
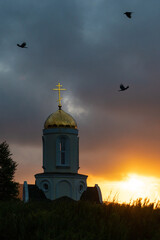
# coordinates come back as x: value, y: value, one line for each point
x: 129, y: 189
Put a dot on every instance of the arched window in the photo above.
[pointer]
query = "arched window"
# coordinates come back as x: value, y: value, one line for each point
x: 62, y: 151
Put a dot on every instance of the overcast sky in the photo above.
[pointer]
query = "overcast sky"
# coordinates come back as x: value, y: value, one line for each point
x: 90, y: 47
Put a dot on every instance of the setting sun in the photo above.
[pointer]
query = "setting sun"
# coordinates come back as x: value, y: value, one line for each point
x: 133, y: 183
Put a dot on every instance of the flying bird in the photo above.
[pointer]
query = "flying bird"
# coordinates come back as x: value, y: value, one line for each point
x: 122, y: 88
x: 23, y: 45
x: 128, y: 14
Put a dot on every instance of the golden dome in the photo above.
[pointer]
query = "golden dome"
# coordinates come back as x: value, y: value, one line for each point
x: 60, y: 119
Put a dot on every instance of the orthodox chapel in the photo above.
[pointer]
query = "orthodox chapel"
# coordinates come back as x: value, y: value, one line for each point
x: 60, y: 177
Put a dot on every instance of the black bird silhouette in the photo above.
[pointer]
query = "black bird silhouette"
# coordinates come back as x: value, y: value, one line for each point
x: 128, y: 14
x: 122, y: 88
x: 23, y: 45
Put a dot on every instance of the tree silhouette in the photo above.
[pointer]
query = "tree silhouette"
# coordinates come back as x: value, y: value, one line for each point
x: 8, y: 188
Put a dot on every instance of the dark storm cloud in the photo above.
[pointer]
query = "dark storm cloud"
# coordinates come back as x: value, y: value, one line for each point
x: 90, y: 47
x: 48, y: 35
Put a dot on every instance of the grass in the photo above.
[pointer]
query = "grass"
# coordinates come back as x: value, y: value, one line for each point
x: 70, y: 220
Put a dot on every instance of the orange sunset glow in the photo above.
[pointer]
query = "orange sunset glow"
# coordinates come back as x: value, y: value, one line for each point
x: 125, y: 181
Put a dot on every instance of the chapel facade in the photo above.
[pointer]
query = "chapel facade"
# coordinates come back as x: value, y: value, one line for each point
x: 60, y: 177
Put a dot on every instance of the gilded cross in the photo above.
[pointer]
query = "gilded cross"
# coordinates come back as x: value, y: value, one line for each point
x: 59, y: 89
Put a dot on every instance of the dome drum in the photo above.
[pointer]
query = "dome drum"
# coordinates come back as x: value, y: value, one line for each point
x: 60, y: 131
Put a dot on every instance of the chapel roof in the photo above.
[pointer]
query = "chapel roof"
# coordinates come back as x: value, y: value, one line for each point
x: 60, y: 119
x: 91, y: 195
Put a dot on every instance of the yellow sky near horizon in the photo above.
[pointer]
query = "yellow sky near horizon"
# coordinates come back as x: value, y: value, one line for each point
x: 130, y: 188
